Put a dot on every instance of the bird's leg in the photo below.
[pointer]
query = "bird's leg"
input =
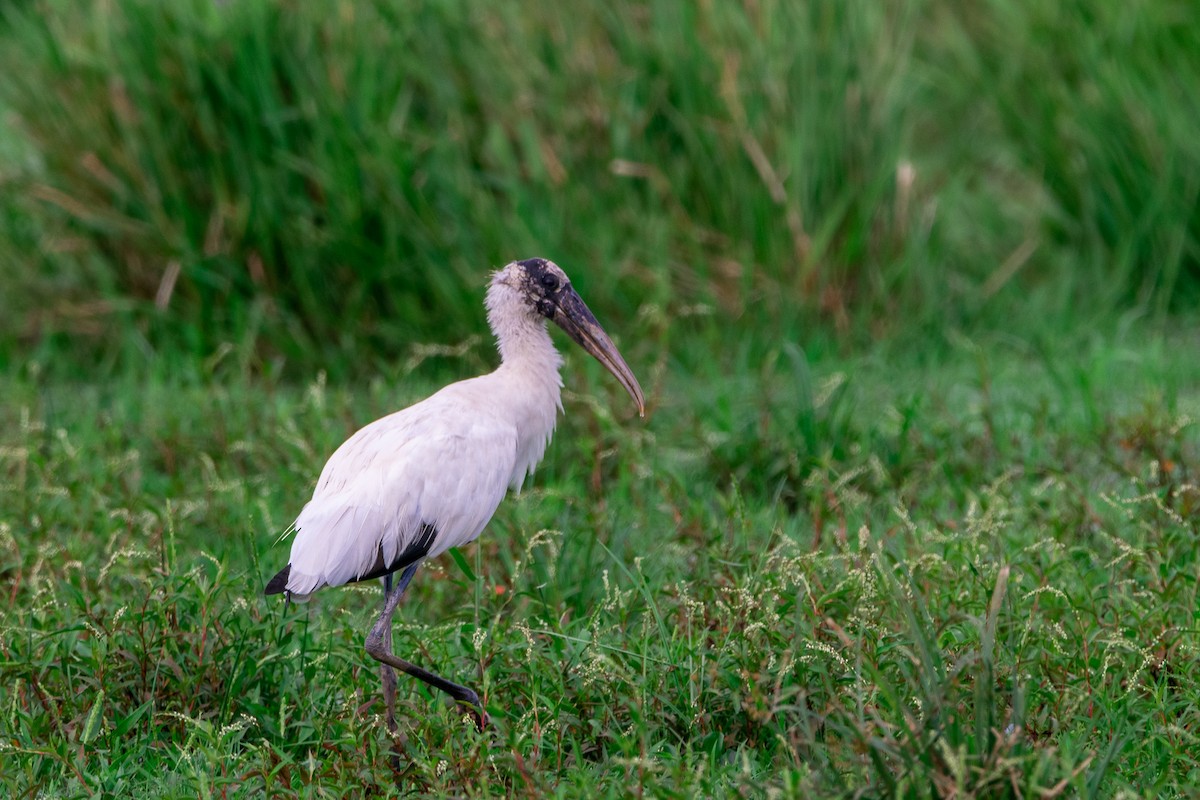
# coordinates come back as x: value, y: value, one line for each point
x: 385, y: 670
x: 379, y: 645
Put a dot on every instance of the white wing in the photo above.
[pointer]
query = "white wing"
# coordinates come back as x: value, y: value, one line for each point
x: 444, y: 462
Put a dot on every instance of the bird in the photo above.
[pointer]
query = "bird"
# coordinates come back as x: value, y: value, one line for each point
x: 411, y: 485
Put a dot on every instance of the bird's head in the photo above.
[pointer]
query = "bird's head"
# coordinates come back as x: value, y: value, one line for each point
x: 545, y: 292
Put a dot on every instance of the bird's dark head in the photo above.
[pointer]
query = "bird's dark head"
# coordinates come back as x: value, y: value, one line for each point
x: 545, y: 291
x: 543, y: 284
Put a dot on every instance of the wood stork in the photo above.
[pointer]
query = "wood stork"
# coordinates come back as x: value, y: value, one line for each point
x: 413, y: 484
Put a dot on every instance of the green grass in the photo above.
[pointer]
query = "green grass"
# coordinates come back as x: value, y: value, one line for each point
x: 261, y: 172
x: 909, y: 285
x: 972, y: 574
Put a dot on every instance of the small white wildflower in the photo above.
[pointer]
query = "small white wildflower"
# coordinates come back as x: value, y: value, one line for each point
x: 824, y: 648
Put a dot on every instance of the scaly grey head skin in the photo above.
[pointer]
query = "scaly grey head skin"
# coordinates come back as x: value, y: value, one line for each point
x: 548, y: 291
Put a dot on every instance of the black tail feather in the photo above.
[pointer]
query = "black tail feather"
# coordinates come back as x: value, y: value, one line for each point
x: 278, y: 584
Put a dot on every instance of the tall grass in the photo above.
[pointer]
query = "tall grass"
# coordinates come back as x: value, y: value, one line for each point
x: 1094, y: 104
x: 316, y: 182
x: 323, y: 175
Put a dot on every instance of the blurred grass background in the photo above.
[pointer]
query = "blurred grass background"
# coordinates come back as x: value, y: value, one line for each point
x: 310, y: 181
x: 911, y: 286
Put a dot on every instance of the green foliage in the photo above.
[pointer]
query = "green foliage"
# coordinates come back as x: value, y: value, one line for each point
x: 1096, y: 102
x: 316, y: 182
x: 948, y: 563
x: 946, y: 598
x: 275, y: 171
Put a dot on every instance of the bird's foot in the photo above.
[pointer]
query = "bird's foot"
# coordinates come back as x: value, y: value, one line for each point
x: 477, y: 714
x: 469, y: 702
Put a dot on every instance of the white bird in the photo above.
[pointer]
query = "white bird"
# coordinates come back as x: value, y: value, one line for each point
x: 413, y: 484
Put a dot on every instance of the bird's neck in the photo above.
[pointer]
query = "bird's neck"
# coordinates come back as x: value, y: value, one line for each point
x: 528, y: 356
x: 529, y: 382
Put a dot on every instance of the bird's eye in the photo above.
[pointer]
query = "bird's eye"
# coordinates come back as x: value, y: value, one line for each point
x: 549, y: 281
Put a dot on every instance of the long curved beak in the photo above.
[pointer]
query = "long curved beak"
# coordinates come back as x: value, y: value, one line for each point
x: 574, y: 317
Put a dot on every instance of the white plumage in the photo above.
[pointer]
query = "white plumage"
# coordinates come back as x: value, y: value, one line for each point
x: 413, y: 484
x: 445, y: 461
x: 423, y: 465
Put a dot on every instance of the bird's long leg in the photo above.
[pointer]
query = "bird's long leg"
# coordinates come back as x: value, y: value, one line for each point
x: 385, y: 670
x: 379, y: 645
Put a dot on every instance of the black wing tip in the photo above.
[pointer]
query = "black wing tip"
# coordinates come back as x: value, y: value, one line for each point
x: 278, y: 584
x: 416, y: 550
